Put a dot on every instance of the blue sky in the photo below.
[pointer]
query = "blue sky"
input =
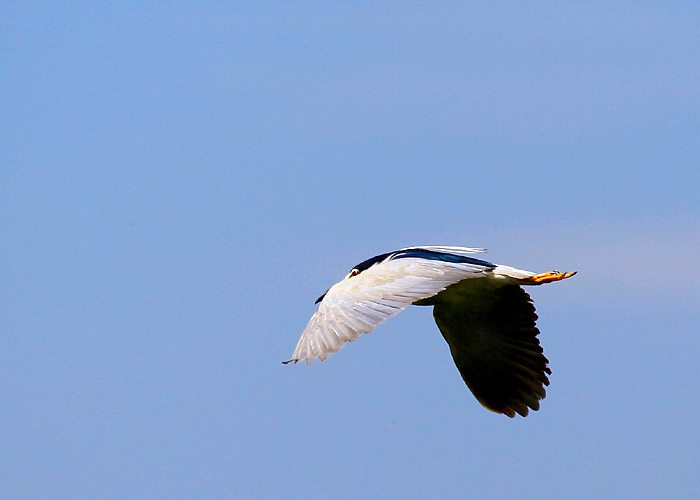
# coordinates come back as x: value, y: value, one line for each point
x: 179, y: 182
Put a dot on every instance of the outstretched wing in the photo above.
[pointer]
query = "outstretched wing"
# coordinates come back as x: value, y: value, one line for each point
x: 360, y: 303
x: 493, y: 338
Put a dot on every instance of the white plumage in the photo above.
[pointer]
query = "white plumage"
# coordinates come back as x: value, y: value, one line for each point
x: 469, y: 306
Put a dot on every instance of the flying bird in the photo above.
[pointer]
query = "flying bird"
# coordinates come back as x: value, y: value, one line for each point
x: 483, y: 313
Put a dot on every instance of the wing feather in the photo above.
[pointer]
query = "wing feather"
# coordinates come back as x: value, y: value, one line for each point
x: 359, y: 304
x: 493, y: 340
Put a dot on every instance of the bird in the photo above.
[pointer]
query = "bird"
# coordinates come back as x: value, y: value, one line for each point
x: 480, y: 308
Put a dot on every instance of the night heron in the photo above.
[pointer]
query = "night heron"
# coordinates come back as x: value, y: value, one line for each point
x: 487, y: 319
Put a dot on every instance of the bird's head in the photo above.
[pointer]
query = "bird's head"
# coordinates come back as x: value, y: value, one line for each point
x: 352, y: 273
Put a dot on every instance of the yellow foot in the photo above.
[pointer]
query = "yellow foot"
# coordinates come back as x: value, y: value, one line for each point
x: 538, y: 279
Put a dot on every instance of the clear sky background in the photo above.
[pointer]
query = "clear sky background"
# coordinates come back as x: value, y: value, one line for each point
x: 179, y: 181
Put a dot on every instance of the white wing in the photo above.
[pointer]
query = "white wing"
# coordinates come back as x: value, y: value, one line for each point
x: 359, y: 304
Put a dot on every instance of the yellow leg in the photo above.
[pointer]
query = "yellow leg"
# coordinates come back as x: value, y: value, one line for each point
x: 539, y: 279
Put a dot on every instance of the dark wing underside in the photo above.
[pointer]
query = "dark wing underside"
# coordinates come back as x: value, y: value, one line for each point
x: 493, y: 339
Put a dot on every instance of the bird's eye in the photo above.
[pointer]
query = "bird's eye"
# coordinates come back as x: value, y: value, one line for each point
x: 352, y: 273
